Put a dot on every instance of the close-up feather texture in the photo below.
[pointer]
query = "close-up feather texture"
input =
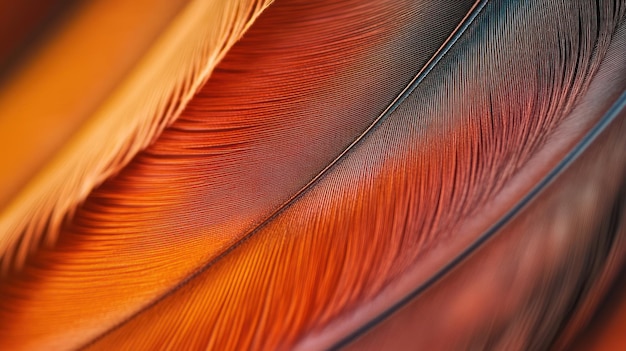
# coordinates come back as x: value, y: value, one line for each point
x: 313, y: 174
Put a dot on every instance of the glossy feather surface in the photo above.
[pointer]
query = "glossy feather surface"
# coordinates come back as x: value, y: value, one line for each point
x: 338, y: 157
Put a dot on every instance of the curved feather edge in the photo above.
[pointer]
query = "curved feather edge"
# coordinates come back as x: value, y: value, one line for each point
x: 154, y: 94
x: 246, y: 132
x: 614, y: 116
x: 542, y: 270
x: 613, y: 65
x: 198, y: 301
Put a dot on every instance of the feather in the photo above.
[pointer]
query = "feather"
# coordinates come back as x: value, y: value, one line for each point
x: 339, y: 156
x: 434, y: 167
x: 214, y: 152
x: 604, y: 330
x: 79, y: 87
x: 541, y: 276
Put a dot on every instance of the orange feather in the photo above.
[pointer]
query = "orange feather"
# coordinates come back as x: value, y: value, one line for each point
x: 462, y: 160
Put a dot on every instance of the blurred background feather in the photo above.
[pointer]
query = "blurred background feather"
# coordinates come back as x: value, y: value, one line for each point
x: 381, y: 174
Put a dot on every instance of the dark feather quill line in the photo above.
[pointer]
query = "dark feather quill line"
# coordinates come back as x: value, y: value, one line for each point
x: 567, y: 161
x: 419, y: 77
x: 254, y: 268
x: 299, y: 201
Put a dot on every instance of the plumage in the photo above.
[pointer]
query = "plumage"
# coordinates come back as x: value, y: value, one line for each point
x: 574, y: 226
x: 74, y: 115
x: 343, y: 160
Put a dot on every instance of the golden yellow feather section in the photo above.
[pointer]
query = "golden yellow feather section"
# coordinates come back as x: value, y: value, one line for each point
x: 100, y: 90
